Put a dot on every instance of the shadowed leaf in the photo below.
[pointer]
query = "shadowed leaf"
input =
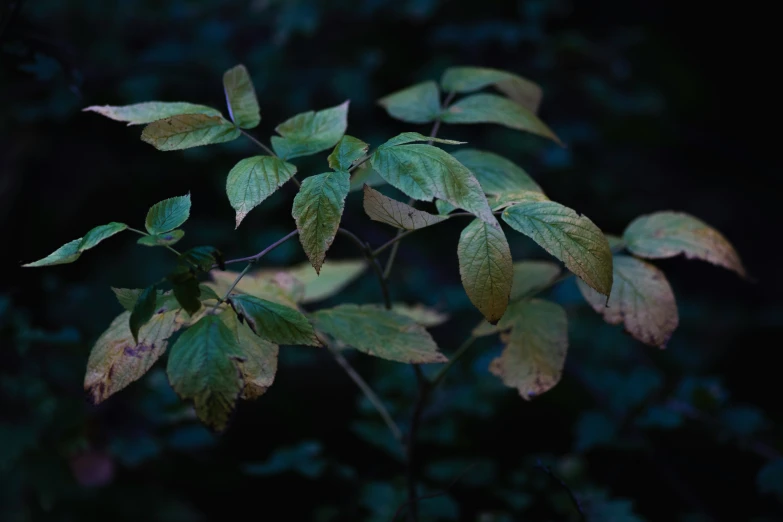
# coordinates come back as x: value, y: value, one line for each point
x: 241, y: 97
x: 147, y: 112
x: 164, y: 239
x: 496, y: 174
x: 470, y: 79
x: 419, y: 103
x: 143, y: 310
x: 274, y: 322
x: 259, y: 358
x: 395, y: 213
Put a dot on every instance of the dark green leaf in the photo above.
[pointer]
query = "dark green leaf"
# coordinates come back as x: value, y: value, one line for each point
x: 187, y: 292
x: 274, y: 322
x: 164, y: 239
x: 201, y: 259
x: 470, y: 79
x: 127, y: 297
x: 317, y: 210
x: 252, y: 180
x: 496, y: 174
x: 241, y: 97
x: 143, y: 310
x: 99, y: 233
x: 419, y: 103
x: 311, y: 132
x: 207, y: 293
x: 68, y: 253
x: 147, y: 112
x: 168, y: 214
x: 395, y: 213
x: 347, y: 152
x: 203, y: 366
x: 188, y: 130
x: 259, y: 358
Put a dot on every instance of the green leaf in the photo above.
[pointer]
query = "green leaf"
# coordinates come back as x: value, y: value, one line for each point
x: 668, y: 234
x: 411, y: 137
x: 68, y: 253
x: 571, y: 238
x: 496, y: 174
x: 99, y: 233
x: 164, y: 239
x: 188, y: 130
x: 168, y: 214
x: 347, y: 152
x: 395, y: 213
x: 532, y: 360
x: 311, y: 132
x: 274, y: 322
x: 490, y: 108
x: 143, y: 310
x: 200, y: 259
x: 241, y: 97
x: 148, y: 112
x: 425, y: 172
x: 532, y: 276
x: 317, y: 210
x: 470, y: 79
x: 444, y: 207
x: 252, y: 180
x: 485, y: 267
x: 334, y: 276
x: 419, y: 103
x: 127, y: 297
x: 423, y: 315
x: 382, y: 333
x: 259, y: 358
x: 501, y: 201
x: 207, y: 293
x: 204, y: 366
x: 365, y: 175
x: 117, y: 360
x: 187, y: 293
x: 272, y: 285
x: 641, y: 299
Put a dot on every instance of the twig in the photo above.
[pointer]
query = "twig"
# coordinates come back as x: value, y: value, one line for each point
x: 574, y: 499
x: 254, y: 140
x: 453, y: 359
x: 262, y: 253
x: 433, y: 495
x: 370, y: 256
x: 141, y: 232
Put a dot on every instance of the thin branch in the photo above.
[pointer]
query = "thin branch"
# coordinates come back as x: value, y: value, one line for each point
x: 254, y: 140
x: 401, y: 507
x: 233, y: 285
x: 370, y: 256
x: 263, y: 252
x: 391, y: 242
x: 467, y: 343
x: 571, y: 494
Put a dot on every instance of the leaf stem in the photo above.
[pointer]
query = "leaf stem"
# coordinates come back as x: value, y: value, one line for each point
x: 141, y: 232
x: 467, y: 343
x: 233, y: 285
x: 254, y: 140
x: 359, y: 163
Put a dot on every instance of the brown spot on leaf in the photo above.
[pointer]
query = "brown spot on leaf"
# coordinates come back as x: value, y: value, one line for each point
x: 137, y: 351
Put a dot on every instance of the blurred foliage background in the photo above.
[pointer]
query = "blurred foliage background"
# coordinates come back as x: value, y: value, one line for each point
x: 658, y: 106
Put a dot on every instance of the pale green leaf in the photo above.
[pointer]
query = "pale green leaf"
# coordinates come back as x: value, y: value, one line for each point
x: 395, y: 213
x: 641, y: 298
x: 419, y: 103
x: 164, y: 239
x: 142, y: 311
x: 204, y: 367
x: 444, y: 207
x: 99, y: 233
x: 423, y: 315
x: 490, y: 108
x: 412, y: 137
x: 147, y: 112
x: 348, y: 151
x: 168, y: 214
x: 470, y: 79
x: 241, y: 97
x: 252, y: 180
x: 485, y: 267
x: 535, y: 348
x: 334, y: 276
x: 311, y: 132
x: 533, y: 276
x: 365, y: 175
x: 274, y: 322
x: 668, y: 234
x: 188, y: 130
x: 573, y: 239
x: 68, y: 253
x: 425, y: 172
x: 259, y: 358
x: 273, y: 285
x: 496, y: 174
x: 117, y: 360
x: 317, y: 210
x: 501, y: 201
x: 379, y: 332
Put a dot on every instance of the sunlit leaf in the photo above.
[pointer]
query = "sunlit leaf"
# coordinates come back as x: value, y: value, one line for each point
x: 490, y: 108
x: 68, y: 253
x: 334, y: 276
x: 117, y: 360
x: 571, y: 238
x: 259, y: 358
x: 274, y: 322
x: 143, y: 310
x: 485, y: 268
x: 496, y: 174
x: 188, y: 130
x: 203, y: 367
x: 147, y: 112
x: 535, y: 348
x: 668, y: 234
x: 252, y: 180
x: 532, y: 276
x: 164, y: 239
x: 168, y: 214
x: 347, y: 152
x: 423, y: 315
x: 241, y: 97
x: 470, y: 79
x: 311, y: 132
x: 395, y: 213
x: 419, y: 103
x: 641, y: 299
x: 382, y: 333
x: 317, y: 210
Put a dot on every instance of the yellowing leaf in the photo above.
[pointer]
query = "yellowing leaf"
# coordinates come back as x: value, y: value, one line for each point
x: 419, y: 103
x: 507, y: 199
x: 148, y: 112
x: 469, y: 79
x: 259, y: 358
x: 573, y: 239
x: 241, y: 97
x: 423, y: 315
x: 641, y: 299
x: 188, y: 130
x: 334, y: 276
x: 117, y: 360
x: 252, y: 180
x: 395, y: 213
x: 317, y: 210
x: 311, y: 132
x: 485, y: 267
x: 271, y: 284
x: 668, y: 234
x: 532, y: 360
x: 379, y: 332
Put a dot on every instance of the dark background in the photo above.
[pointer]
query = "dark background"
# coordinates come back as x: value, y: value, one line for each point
x: 662, y: 106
